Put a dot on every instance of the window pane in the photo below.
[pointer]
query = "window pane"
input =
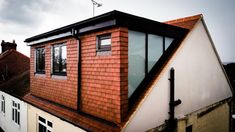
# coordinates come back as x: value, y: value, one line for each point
x: 63, y: 58
x: 40, y: 60
x: 56, y: 59
x: 18, y: 118
x: 42, y: 119
x: 104, y: 42
x: 155, y: 49
x: 41, y: 128
x: 13, y: 114
x: 136, y: 60
x: 49, y: 124
x: 168, y: 42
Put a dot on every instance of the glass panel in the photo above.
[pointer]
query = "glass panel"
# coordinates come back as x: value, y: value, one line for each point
x: 40, y: 60
x: 49, y: 123
x: 42, y: 119
x: 136, y: 58
x: 56, y: 59
x: 18, y: 118
x: 13, y: 114
x: 104, y: 42
x: 41, y: 128
x: 155, y: 49
x: 63, y: 58
x: 168, y: 42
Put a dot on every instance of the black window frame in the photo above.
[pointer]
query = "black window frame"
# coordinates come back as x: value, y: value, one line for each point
x: 38, y: 70
x: 61, y: 73
x: 100, y: 47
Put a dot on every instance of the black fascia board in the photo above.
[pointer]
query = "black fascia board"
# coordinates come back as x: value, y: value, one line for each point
x: 141, y: 24
x: 117, y: 18
x: 77, y: 25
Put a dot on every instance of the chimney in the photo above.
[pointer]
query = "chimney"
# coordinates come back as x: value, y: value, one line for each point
x: 8, y: 45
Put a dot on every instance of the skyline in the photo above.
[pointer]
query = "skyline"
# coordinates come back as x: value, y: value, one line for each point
x: 23, y: 19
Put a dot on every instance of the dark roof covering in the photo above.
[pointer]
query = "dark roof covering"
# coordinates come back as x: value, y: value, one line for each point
x: 17, y: 86
x: 115, y: 18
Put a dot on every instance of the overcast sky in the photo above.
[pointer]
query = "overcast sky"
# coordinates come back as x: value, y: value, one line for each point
x: 20, y: 19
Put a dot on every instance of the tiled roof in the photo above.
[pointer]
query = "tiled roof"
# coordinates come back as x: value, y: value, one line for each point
x: 186, y: 22
x: 77, y: 118
x: 15, y: 68
x: 17, y: 86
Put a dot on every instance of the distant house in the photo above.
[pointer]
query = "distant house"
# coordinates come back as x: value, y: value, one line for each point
x: 14, y: 84
x: 111, y: 73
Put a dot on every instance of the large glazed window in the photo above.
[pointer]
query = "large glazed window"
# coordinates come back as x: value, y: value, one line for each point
x: 59, y: 59
x: 136, y: 56
x: 40, y: 60
x: 155, y: 49
x: 144, y: 51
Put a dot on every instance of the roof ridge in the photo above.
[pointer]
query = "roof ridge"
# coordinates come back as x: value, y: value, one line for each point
x: 8, y: 52
x: 183, y: 19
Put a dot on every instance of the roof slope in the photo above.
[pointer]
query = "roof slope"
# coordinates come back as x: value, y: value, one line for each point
x: 17, y: 86
x: 186, y: 22
x: 12, y: 63
x: 14, y: 73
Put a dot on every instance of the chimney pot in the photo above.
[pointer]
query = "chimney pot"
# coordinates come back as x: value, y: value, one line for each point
x: 8, y: 45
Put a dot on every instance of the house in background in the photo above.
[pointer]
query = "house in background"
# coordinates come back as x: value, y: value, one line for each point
x: 111, y: 73
x: 14, y: 84
x: 230, y: 70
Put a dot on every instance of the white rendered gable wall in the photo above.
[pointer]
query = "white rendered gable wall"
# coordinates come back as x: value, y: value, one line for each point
x: 6, y: 122
x: 199, y: 82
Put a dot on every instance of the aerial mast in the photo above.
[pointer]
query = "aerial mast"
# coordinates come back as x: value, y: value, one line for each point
x: 95, y: 4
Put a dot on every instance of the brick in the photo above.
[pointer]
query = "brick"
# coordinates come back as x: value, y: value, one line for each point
x: 104, y: 78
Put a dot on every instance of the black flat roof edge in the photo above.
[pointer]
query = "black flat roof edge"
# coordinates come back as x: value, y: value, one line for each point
x: 123, y: 19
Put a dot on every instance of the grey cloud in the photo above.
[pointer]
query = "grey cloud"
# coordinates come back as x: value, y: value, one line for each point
x: 23, y: 12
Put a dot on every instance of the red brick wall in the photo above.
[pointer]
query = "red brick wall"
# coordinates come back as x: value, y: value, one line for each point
x: 104, y: 88
x: 104, y: 84
x: 62, y: 91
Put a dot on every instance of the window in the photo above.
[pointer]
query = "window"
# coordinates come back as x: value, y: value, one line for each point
x: 168, y: 42
x: 3, y: 104
x: 189, y: 128
x: 59, y: 59
x: 44, y: 125
x: 144, y: 51
x: 136, y: 58
x: 40, y: 60
x: 155, y: 49
x: 16, y: 112
x: 104, y: 42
